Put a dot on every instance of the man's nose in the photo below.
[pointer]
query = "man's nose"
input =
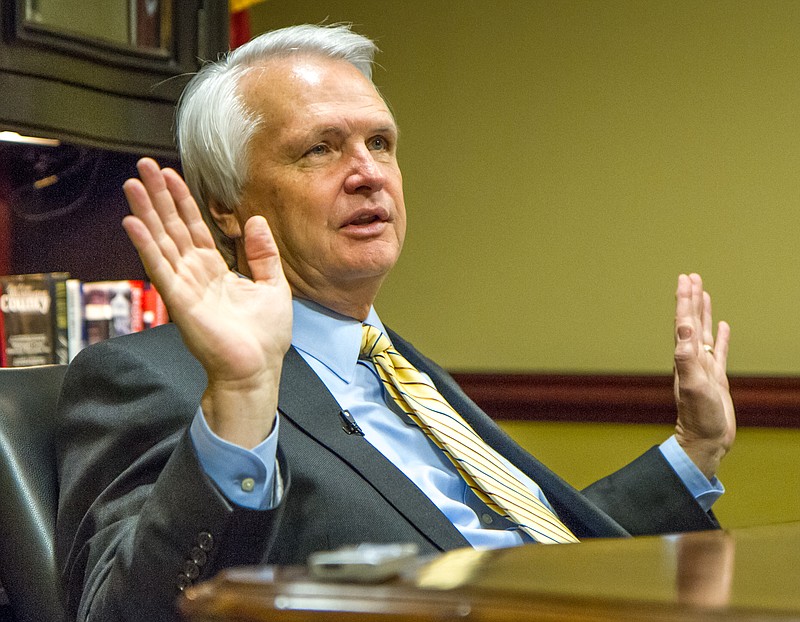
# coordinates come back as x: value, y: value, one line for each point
x: 364, y: 174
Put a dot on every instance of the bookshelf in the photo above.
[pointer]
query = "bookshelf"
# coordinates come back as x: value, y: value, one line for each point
x: 95, y: 91
x: 61, y: 208
x: 47, y: 318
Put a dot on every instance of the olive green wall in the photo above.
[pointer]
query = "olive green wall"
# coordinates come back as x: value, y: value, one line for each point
x: 564, y: 161
x: 760, y: 474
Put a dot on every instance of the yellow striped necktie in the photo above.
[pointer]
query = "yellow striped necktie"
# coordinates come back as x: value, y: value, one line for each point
x: 481, y: 466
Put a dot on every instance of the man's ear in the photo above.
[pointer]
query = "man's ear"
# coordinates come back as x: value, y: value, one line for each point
x: 226, y: 219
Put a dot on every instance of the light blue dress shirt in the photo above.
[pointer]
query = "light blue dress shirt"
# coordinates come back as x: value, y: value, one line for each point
x: 248, y: 478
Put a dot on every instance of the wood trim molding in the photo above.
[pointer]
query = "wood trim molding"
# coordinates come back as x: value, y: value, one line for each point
x: 613, y: 398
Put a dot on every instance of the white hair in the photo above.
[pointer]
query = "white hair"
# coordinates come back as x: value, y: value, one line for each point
x: 214, y: 126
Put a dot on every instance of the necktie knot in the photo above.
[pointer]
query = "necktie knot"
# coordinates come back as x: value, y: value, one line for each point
x: 373, y: 342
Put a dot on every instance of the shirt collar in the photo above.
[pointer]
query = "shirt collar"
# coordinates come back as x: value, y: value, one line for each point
x: 333, y: 339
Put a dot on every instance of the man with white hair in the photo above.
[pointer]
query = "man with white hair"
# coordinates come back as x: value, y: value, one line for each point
x: 278, y: 416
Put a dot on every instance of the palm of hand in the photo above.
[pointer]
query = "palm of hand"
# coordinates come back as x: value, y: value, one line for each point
x: 234, y: 326
x: 705, y: 407
x: 238, y: 329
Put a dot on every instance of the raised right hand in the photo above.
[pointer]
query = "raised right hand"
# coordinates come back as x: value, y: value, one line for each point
x: 706, y: 426
x: 238, y: 329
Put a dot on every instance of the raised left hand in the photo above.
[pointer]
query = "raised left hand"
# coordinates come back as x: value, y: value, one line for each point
x: 706, y: 425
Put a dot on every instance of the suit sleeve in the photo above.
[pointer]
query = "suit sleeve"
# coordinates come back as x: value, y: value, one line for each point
x: 646, y: 497
x: 138, y: 518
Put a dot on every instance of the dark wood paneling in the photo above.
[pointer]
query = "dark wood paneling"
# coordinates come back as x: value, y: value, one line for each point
x: 91, y: 93
x: 760, y: 401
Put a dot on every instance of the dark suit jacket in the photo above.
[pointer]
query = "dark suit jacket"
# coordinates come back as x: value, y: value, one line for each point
x: 138, y: 516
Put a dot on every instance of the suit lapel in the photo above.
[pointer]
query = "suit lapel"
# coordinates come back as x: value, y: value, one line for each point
x: 306, y: 402
x: 583, y: 517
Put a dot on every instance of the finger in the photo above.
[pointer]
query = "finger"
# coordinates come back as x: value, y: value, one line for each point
x: 188, y: 210
x: 138, y: 233
x: 697, y: 302
x: 158, y: 269
x: 722, y: 344
x: 708, y: 326
x: 139, y: 194
x: 684, y: 321
x: 261, y: 251
x: 137, y: 197
x: 142, y: 208
x: 170, y: 231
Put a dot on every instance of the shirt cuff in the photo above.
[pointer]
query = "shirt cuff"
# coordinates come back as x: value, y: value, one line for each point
x: 249, y: 478
x: 704, y: 491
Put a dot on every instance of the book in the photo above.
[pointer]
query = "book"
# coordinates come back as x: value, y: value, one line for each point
x: 111, y: 309
x: 34, y: 320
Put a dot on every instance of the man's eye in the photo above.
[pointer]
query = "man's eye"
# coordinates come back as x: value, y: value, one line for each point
x: 318, y: 150
x: 378, y: 143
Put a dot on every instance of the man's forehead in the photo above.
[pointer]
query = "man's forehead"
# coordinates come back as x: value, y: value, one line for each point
x: 324, y: 91
x: 303, y: 74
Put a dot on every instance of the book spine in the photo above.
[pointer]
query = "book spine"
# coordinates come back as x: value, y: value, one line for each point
x: 97, y: 314
x: 155, y: 311
x: 58, y: 288
x: 75, y: 330
x: 2, y: 335
x: 137, y: 306
x: 119, y: 296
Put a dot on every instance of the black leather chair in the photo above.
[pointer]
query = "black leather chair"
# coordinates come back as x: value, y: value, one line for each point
x: 29, y: 492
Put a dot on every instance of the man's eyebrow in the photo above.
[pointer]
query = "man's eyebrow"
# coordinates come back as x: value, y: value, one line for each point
x: 336, y: 129
x: 388, y: 129
x: 328, y: 130
x: 314, y: 133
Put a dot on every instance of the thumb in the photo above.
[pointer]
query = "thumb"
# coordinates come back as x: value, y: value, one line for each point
x: 261, y: 251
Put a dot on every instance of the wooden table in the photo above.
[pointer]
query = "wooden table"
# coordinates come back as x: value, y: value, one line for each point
x: 740, y: 575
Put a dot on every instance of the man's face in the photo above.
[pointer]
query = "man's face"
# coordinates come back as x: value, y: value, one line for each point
x: 323, y: 171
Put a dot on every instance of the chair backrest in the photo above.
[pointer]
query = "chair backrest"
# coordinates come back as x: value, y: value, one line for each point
x: 29, y: 492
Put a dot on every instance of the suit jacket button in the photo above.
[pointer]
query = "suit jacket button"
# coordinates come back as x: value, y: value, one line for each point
x: 198, y: 556
x: 191, y: 570
x: 183, y: 582
x: 205, y: 541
